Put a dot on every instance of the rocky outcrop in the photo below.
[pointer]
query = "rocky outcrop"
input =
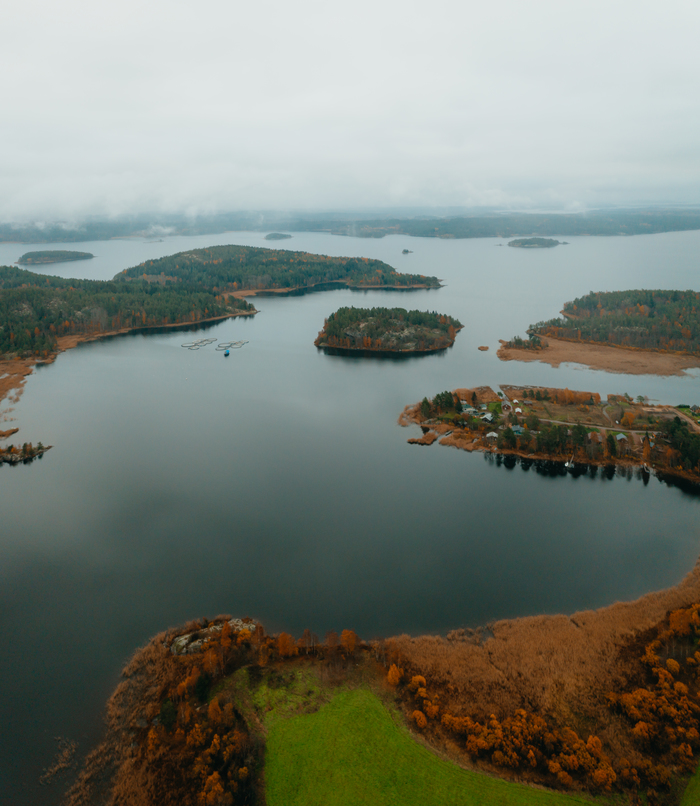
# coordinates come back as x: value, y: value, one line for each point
x: 193, y: 642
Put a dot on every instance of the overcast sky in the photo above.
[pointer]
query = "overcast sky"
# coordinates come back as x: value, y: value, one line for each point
x: 204, y: 105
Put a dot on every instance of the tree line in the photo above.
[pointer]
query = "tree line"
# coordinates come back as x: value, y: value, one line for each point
x: 643, y: 319
x: 35, y: 310
x: 617, y: 222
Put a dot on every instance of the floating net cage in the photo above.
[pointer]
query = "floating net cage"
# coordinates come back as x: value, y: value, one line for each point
x: 224, y: 345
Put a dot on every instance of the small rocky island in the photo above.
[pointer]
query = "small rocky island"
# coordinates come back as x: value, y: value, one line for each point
x: 277, y: 236
x: 14, y: 455
x: 52, y: 256
x: 535, y: 243
x: 387, y: 330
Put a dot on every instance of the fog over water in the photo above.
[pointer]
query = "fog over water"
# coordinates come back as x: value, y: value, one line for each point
x: 276, y: 482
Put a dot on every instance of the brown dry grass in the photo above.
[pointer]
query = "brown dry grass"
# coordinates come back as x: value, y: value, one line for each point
x: 465, y: 440
x: 427, y: 439
x: 13, y: 376
x: 599, y: 356
x: 558, y: 666
x: 484, y: 394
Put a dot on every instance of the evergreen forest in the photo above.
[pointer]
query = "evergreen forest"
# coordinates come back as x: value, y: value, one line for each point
x: 230, y: 268
x: 388, y: 329
x: 643, y: 319
x: 53, y: 256
x: 36, y: 309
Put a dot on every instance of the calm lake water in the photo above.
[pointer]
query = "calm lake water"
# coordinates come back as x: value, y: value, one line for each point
x: 276, y: 483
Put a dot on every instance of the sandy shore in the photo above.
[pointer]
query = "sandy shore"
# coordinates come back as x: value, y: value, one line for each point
x: 599, y: 356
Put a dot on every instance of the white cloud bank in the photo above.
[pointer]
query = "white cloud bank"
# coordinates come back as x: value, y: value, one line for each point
x: 121, y: 106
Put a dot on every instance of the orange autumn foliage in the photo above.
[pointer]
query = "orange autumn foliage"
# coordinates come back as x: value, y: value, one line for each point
x: 394, y: 675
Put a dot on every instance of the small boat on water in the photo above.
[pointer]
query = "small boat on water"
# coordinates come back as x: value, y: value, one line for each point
x: 226, y: 353
x: 570, y: 463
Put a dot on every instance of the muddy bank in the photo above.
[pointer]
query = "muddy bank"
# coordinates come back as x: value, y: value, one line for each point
x: 600, y: 356
x: 13, y: 376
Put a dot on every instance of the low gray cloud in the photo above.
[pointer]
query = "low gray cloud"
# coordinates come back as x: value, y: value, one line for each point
x: 180, y: 106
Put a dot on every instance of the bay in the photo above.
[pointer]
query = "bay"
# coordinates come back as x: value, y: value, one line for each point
x: 276, y: 483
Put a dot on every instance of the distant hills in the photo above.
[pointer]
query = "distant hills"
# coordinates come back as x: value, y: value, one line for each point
x: 481, y: 225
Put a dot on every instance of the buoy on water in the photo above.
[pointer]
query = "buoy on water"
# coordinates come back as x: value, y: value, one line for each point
x: 226, y: 353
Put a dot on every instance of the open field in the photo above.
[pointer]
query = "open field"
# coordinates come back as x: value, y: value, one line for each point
x: 355, y: 751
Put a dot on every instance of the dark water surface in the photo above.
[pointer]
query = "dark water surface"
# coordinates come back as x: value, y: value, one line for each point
x: 275, y: 483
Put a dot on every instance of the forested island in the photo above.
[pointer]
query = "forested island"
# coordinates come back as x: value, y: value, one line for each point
x: 277, y: 236
x: 388, y: 330
x: 602, y: 704
x: 53, y: 256
x: 541, y: 424
x: 534, y: 243
x: 240, y: 268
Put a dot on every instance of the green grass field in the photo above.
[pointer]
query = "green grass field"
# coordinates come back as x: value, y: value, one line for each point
x: 353, y: 751
x: 691, y: 796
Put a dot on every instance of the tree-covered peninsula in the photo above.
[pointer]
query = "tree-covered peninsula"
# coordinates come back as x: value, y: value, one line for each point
x: 394, y: 330
x: 233, y: 268
x: 639, y: 319
x: 52, y: 256
x: 36, y: 310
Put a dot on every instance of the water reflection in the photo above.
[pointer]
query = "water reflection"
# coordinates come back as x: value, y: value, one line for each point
x: 553, y: 469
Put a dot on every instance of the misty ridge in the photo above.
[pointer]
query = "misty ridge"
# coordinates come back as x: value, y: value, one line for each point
x: 372, y: 223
